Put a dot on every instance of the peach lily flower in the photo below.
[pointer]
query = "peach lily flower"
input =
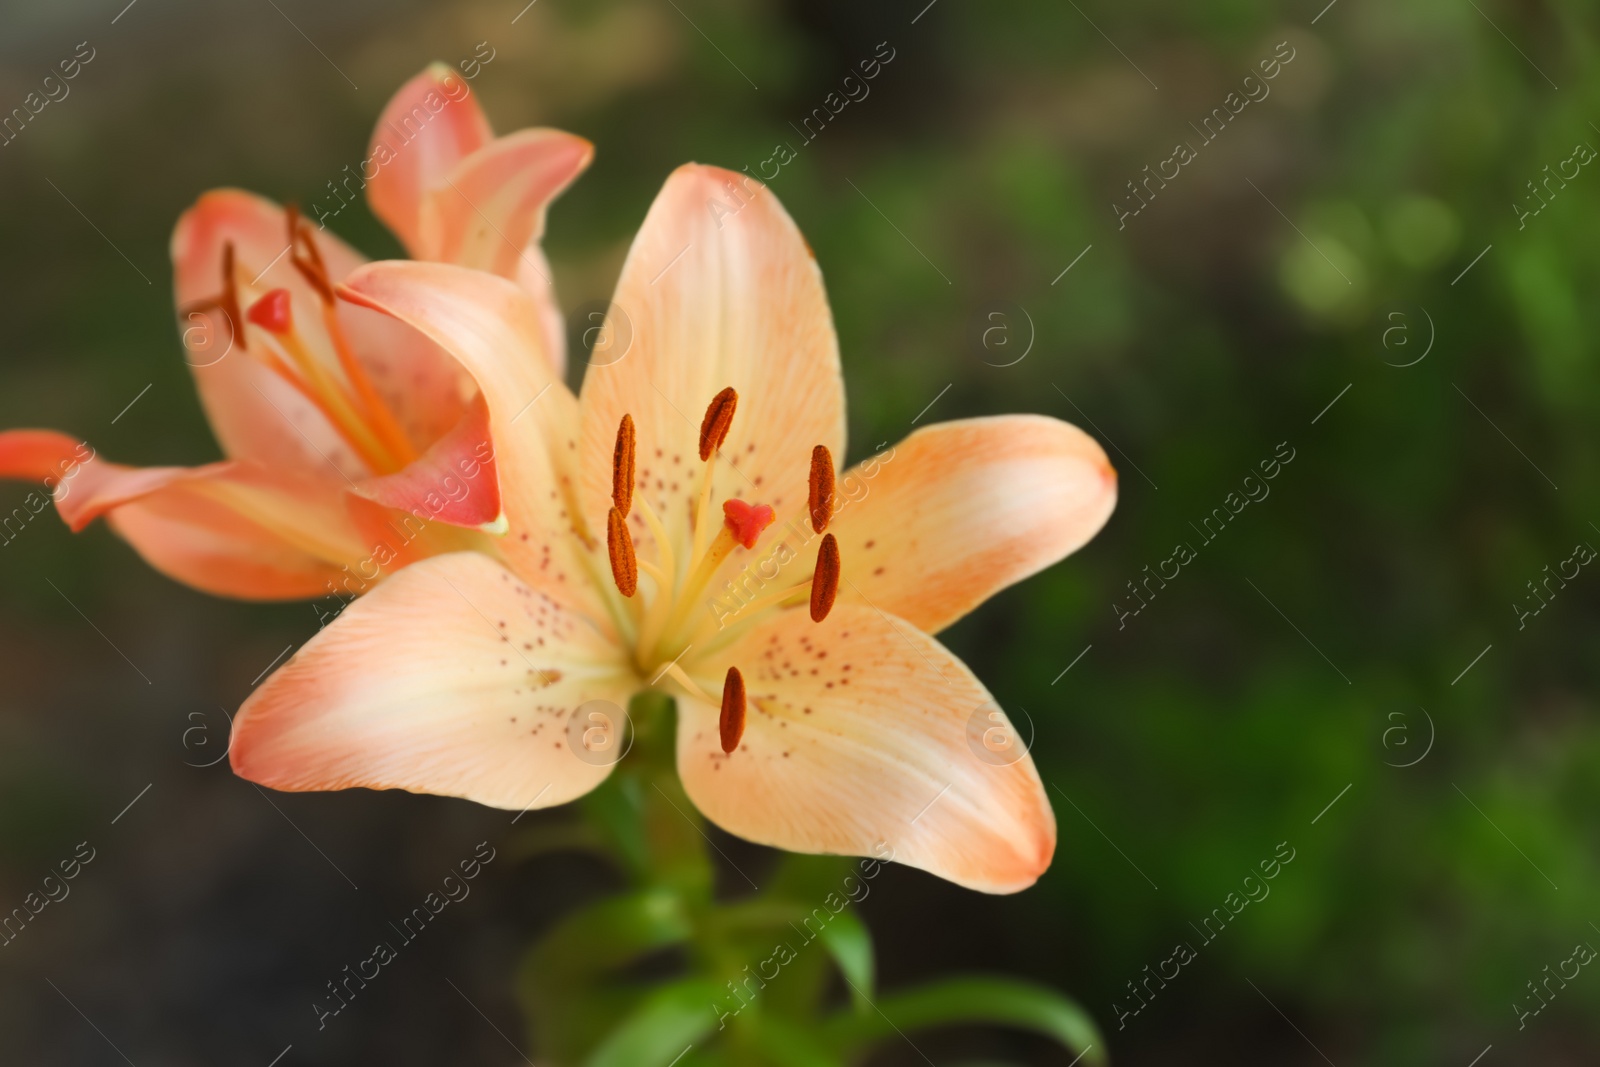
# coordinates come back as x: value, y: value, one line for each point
x: 652, y: 545
x: 353, y: 444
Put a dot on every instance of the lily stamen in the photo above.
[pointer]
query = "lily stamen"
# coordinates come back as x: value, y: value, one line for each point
x: 296, y: 364
x: 718, y: 418
x: 690, y: 686
x: 272, y: 312
x: 384, y: 423
x: 624, y: 564
x: 230, y: 292
x: 227, y: 301
x: 731, y: 722
x: 306, y: 259
x: 622, y: 459
x: 656, y: 616
x: 362, y: 420
x: 703, y: 571
x: 308, y: 262
x: 742, y: 525
x: 825, y: 582
x: 822, y: 488
x: 662, y: 616
x: 761, y: 603
x: 713, y: 431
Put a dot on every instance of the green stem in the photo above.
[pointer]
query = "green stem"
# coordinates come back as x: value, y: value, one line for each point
x: 633, y: 978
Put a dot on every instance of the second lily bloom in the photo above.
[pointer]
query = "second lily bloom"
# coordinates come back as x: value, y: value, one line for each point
x: 354, y: 445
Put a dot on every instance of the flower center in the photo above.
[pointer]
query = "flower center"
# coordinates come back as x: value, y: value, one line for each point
x: 666, y: 606
x: 334, y: 382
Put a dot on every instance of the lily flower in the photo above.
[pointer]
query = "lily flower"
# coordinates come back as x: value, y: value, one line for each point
x: 682, y: 525
x: 353, y: 444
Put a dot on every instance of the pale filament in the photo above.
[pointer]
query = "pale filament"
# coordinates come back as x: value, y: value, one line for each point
x: 661, y: 625
x: 352, y: 406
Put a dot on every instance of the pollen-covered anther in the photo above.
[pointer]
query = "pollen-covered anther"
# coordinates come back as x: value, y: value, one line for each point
x: 822, y: 488
x: 227, y: 301
x: 825, y: 581
x: 273, y: 312
x: 731, y: 722
x: 230, y: 291
x: 305, y: 257
x: 622, y: 467
x: 619, y: 543
x: 746, y: 521
x: 719, y: 417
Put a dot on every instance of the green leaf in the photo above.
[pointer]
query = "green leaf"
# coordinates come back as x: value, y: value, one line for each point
x: 755, y: 914
x: 994, y: 1001
x: 799, y: 877
x: 666, y: 1023
x: 610, y: 933
x: 786, y: 1045
x: 847, y: 940
x: 566, y: 980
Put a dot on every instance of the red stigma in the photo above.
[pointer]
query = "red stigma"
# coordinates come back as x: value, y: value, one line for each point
x: 746, y: 520
x: 272, y: 312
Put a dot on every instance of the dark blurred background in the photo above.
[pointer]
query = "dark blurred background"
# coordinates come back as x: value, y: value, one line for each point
x: 1353, y: 238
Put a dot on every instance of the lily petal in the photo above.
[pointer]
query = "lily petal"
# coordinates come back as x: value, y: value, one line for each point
x: 427, y: 391
x: 40, y: 455
x: 861, y: 731
x: 960, y: 510
x: 453, y: 482
x: 431, y: 124
x: 232, y: 529
x: 452, y: 677
x: 719, y: 289
x: 495, y: 330
x: 489, y: 213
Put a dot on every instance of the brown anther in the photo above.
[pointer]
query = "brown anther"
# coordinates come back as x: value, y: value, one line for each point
x: 731, y: 723
x: 719, y: 416
x: 305, y: 257
x: 230, y: 292
x: 622, y: 467
x: 821, y: 487
x: 825, y: 581
x: 624, y: 565
x: 227, y: 301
